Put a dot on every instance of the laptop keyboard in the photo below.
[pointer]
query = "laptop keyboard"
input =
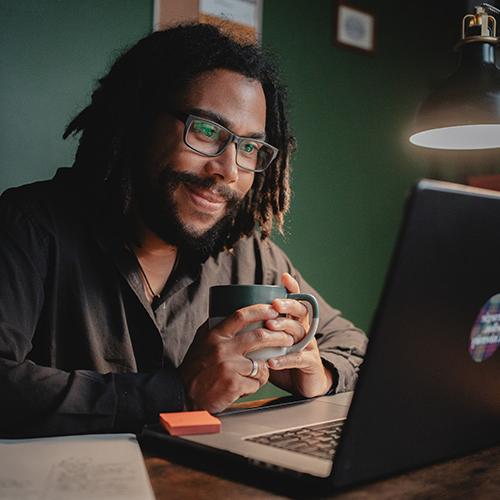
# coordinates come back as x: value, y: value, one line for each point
x: 318, y: 440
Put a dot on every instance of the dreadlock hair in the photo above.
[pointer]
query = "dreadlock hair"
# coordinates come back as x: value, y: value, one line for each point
x: 142, y: 82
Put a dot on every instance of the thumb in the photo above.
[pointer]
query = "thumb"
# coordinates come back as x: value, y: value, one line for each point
x: 290, y: 283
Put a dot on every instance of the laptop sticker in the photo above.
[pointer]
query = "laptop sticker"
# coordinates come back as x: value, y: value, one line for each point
x: 485, y: 334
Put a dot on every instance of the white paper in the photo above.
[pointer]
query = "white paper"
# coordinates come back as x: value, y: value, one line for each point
x: 97, y: 467
x: 240, y: 11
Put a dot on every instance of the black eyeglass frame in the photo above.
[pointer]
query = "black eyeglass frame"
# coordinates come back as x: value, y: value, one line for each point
x: 188, y: 118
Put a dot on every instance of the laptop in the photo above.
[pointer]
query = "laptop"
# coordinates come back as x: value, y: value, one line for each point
x: 429, y: 388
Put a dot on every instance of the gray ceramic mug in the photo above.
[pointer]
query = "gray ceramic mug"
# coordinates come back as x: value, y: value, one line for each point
x: 225, y: 299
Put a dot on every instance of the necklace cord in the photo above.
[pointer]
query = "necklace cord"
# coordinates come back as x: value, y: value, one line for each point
x: 143, y: 273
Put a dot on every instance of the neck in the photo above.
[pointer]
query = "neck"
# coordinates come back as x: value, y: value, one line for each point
x: 155, y: 257
x: 149, y: 245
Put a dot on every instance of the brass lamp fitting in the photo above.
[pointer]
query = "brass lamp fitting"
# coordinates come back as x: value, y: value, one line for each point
x: 481, y: 19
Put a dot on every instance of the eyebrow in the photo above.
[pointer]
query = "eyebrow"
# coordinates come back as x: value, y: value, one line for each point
x: 216, y: 117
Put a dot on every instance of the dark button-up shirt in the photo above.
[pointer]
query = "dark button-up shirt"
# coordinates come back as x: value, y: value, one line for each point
x: 81, y: 349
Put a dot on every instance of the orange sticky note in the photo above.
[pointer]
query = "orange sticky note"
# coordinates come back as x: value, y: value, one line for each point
x: 190, y: 422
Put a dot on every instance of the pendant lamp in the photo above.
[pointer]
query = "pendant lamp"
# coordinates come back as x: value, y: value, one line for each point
x: 463, y: 112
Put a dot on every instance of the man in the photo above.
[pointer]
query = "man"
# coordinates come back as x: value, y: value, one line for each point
x: 184, y: 152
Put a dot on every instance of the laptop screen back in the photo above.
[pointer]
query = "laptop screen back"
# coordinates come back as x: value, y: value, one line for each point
x: 421, y: 395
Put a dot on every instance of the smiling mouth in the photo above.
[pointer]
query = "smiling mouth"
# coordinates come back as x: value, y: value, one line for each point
x: 205, y: 199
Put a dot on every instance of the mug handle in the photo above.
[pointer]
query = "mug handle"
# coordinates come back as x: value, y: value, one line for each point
x: 315, y: 319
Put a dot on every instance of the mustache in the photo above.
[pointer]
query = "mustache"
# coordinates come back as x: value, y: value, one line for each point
x: 171, y: 177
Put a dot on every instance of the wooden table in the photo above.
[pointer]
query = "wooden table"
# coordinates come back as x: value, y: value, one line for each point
x: 476, y: 476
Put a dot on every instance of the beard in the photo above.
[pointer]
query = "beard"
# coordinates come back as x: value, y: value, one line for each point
x: 159, y: 213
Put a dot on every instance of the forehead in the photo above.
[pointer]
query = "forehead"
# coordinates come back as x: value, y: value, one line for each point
x: 239, y: 100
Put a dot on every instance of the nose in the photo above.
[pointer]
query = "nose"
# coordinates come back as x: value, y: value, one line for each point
x: 224, y: 165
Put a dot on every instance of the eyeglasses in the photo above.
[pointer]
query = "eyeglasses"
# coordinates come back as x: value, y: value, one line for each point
x: 209, y: 138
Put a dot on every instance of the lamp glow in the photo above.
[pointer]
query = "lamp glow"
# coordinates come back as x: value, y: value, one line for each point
x: 463, y: 137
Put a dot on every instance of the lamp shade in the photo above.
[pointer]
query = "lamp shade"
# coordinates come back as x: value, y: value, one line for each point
x: 463, y: 112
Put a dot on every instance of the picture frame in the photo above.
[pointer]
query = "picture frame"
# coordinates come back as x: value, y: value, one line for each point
x: 354, y: 28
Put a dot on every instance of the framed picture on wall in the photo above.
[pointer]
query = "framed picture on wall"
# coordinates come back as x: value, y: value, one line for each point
x: 354, y: 28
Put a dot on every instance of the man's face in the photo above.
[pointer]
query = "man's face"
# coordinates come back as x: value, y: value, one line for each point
x: 188, y: 199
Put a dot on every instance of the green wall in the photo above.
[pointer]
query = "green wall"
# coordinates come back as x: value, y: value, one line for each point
x: 350, y: 112
x: 51, y: 54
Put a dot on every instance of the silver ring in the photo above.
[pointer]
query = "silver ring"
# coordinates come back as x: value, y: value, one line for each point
x: 255, y: 368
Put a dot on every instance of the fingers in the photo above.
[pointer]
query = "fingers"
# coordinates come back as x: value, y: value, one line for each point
x: 256, y: 370
x: 289, y: 326
x: 249, y: 386
x: 290, y: 283
x: 295, y: 322
x: 291, y: 307
x: 303, y: 372
x: 305, y: 360
x: 262, y: 312
x: 221, y: 384
x: 242, y: 383
x: 262, y: 337
x: 244, y: 317
x: 293, y: 360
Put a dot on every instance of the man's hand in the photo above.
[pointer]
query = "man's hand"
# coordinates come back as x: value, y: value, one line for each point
x: 216, y: 370
x: 302, y: 371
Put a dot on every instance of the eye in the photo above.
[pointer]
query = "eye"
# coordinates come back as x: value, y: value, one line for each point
x: 249, y: 148
x: 206, y: 130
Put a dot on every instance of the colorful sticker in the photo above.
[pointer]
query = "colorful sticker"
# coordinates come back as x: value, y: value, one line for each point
x: 485, y: 335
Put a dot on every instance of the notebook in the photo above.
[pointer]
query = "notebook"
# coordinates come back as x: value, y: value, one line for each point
x: 429, y: 388
x: 96, y: 466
